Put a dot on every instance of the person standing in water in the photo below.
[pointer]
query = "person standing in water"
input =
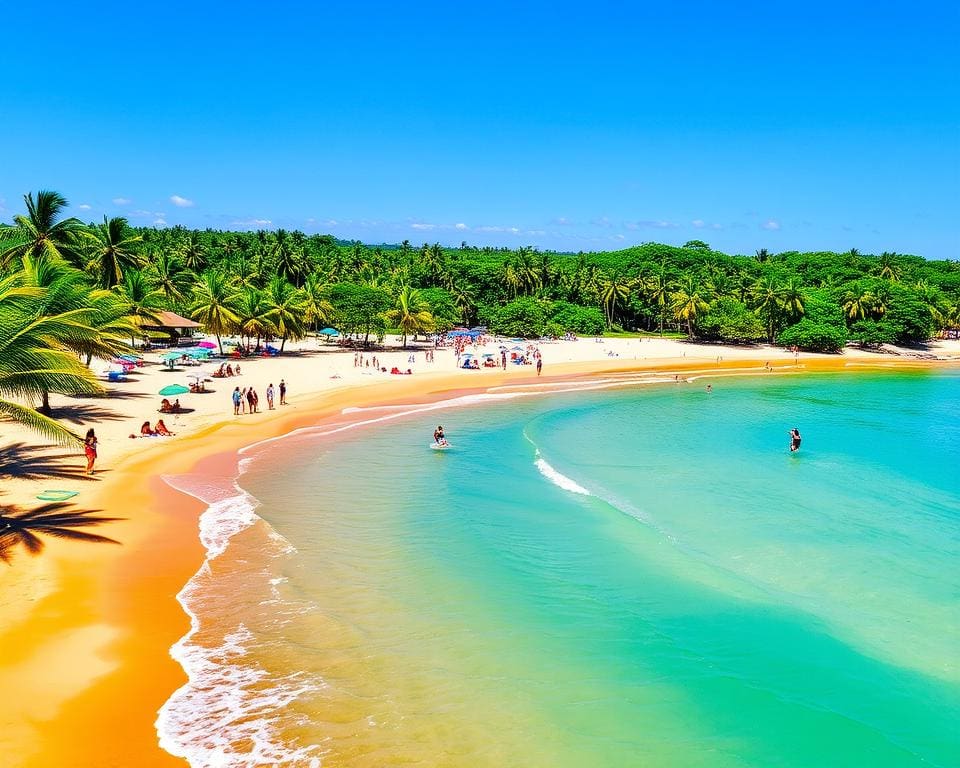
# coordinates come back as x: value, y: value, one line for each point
x: 90, y: 449
x: 438, y: 436
x: 794, y: 440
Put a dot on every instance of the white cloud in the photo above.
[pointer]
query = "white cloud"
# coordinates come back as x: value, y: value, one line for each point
x: 650, y: 224
x: 603, y: 221
x: 460, y: 226
x: 771, y: 224
x: 716, y: 226
x: 422, y: 227
x: 562, y: 221
x: 121, y: 201
x: 84, y: 207
x: 160, y: 222
x: 251, y: 223
x: 181, y: 202
x: 535, y: 232
x: 699, y: 223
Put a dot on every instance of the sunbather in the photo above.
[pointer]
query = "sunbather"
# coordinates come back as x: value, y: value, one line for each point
x: 145, y: 430
x: 161, y: 429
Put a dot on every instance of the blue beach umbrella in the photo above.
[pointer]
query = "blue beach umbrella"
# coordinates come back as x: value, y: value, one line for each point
x: 329, y: 332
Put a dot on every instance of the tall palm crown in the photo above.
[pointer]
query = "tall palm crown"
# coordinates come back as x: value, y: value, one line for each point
x: 214, y: 304
x: 410, y: 314
x: 43, y: 232
x: 113, y: 249
x: 286, y: 310
x: 38, y: 354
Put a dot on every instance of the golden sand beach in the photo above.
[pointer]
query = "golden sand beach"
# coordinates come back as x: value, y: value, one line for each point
x: 85, y: 630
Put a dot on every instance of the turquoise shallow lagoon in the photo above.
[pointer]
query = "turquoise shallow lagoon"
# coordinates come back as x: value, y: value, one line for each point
x: 635, y: 577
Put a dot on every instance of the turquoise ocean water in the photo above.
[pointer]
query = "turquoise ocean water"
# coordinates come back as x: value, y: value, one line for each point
x: 639, y: 576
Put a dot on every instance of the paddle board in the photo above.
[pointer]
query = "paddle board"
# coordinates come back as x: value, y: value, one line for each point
x: 440, y: 446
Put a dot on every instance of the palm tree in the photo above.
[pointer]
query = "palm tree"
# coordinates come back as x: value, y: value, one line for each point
x: 113, y: 248
x: 768, y: 301
x: 889, y: 269
x: 37, y: 356
x: 170, y: 277
x: 657, y: 287
x: 214, y: 300
x: 411, y: 314
x: 858, y: 303
x: 22, y: 528
x: 316, y: 306
x: 762, y: 255
x: 614, y: 289
x: 143, y: 299
x: 42, y: 232
x: 194, y: 253
x: 286, y: 310
x: 688, y: 302
x: 252, y: 314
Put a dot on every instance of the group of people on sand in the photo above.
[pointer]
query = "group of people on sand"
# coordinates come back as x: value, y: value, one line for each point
x: 158, y: 431
x: 167, y: 407
x: 226, y: 370
x: 247, y: 400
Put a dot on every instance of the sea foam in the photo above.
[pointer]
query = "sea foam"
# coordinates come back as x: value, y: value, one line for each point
x: 226, y: 702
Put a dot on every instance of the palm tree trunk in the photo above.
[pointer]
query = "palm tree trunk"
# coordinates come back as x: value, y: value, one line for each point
x: 283, y: 341
x: 219, y: 343
x: 44, y: 403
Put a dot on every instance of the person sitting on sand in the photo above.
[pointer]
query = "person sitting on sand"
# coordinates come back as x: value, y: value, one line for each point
x: 161, y: 429
x: 165, y: 406
x: 145, y: 430
x: 229, y: 370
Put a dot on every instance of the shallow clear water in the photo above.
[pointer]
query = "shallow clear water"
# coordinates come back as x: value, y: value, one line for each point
x: 643, y: 576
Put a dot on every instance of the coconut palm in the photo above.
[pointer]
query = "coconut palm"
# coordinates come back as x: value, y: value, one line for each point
x: 411, y: 314
x: 43, y: 232
x: 113, y: 249
x: 858, y: 304
x: 286, y: 310
x: 214, y: 300
x: 316, y: 306
x: 657, y: 287
x: 194, y: 253
x: 253, y: 312
x: 688, y: 302
x: 38, y: 356
x: 767, y: 296
x: 23, y: 528
x: 614, y: 290
x: 170, y: 277
x: 144, y: 300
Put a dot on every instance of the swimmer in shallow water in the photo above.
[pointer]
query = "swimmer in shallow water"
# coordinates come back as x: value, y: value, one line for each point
x: 794, y: 440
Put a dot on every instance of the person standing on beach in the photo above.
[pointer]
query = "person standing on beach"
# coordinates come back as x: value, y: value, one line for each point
x: 794, y: 440
x: 539, y: 364
x: 503, y: 358
x: 236, y: 401
x: 244, y: 399
x: 283, y: 393
x: 90, y: 449
x: 270, y: 392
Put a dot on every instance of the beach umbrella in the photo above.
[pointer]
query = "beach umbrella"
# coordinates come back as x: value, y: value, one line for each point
x: 516, y: 349
x: 488, y: 355
x: 174, y: 389
x: 171, y: 356
x: 207, y: 345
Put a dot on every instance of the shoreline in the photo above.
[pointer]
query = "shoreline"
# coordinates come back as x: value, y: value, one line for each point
x: 112, y: 614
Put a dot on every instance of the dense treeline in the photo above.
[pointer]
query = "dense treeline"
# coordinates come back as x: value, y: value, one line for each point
x: 71, y: 290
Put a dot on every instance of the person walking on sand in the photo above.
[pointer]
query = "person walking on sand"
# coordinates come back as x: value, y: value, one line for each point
x: 250, y: 399
x: 90, y: 449
x: 270, y: 392
x: 236, y: 401
x: 256, y: 400
x: 283, y: 392
x: 539, y: 364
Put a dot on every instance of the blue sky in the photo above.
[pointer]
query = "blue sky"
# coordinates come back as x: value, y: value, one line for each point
x: 591, y: 126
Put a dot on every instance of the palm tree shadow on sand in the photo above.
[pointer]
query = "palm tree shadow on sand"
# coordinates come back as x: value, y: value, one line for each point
x: 26, y: 528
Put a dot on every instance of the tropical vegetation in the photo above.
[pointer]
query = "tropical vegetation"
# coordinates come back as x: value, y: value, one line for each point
x: 70, y: 291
